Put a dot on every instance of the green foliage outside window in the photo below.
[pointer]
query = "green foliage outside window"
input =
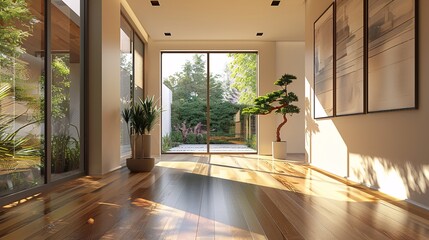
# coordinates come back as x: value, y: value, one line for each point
x: 15, y: 27
x: 227, y: 98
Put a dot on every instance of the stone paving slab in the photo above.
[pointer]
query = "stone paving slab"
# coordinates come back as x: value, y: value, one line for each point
x: 238, y: 148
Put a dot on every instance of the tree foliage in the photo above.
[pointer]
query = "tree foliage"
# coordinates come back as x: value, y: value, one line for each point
x: 280, y: 101
x: 15, y: 27
x: 189, y: 89
x: 243, y: 71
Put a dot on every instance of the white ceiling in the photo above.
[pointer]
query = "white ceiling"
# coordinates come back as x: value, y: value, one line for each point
x: 222, y: 19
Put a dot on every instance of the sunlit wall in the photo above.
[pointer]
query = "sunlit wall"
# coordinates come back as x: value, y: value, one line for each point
x: 386, y: 151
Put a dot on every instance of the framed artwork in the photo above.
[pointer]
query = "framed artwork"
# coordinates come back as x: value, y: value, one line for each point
x: 349, y: 65
x: 324, y: 64
x: 391, y: 55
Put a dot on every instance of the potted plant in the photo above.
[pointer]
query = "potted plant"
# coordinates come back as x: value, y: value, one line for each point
x: 279, y: 102
x: 141, y: 118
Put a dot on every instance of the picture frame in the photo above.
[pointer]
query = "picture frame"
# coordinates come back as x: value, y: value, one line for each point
x: 350, y: 57
x: 392, y: 61
x: 324, y: 68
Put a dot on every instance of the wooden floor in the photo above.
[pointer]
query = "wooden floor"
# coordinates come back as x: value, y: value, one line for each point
x: 211, y: 197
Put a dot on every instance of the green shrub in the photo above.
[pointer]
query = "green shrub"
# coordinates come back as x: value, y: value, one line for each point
x: 166, y: 143
x: 251, y: 142
x: 176, y: 137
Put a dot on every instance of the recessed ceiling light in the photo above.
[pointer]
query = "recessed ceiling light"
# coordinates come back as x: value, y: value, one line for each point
x: 167, y: 34
x: 155, y: 3
x: 275, y: 3
x: 259, y: 34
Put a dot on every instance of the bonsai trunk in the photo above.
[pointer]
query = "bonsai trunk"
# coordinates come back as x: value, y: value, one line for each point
x: 278, y: 139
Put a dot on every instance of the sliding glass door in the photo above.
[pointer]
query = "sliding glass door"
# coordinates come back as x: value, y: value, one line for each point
x: 22, y: 118
x: 126, y: 34
x: 202, y: 113
x: 232, y: 87
x: 41, y: 92
x: 131, y: 78
x: 66, y: 88
x: 184, y: 102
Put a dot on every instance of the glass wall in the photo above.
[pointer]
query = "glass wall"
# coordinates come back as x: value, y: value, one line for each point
x: 184, y: 102
x: 66, y: 87
x: 25, y: 81
x: 22, y: 57
x: 138, y: 67
x: 132, y: 72
x: 126, y: 80
x: 193, y: 123
x: 233, y: 78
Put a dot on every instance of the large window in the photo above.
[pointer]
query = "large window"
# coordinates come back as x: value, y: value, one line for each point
x: 202, y: 112
x: 40, y: 92
x: 66, y: 87
x: 132, y: 49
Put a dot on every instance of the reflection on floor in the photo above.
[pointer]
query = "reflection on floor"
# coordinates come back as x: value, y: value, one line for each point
x: 214, y: 148
x: 211, y: 197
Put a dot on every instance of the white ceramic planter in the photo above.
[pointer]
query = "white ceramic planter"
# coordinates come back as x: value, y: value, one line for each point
x: 279, y: 150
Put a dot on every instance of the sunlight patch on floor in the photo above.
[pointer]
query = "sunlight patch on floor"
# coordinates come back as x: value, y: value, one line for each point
x: 266, y: 172
x: 175, y: 221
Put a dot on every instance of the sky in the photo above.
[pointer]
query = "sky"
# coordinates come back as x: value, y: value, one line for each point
x: 173, y: 62
x: 73, y: 5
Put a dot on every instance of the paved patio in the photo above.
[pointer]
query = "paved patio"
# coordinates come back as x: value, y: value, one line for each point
x: 235, y: 148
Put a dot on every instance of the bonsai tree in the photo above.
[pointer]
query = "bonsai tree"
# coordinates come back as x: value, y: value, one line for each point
x: 279, y: 102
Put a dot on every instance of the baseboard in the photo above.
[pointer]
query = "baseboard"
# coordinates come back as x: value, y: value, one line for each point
x: 407, y: 204
x: 417, y: 204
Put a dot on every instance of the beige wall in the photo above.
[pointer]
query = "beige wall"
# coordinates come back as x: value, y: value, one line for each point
x: 103, y: 127
x: 387, y: 151
x: 103, y: 83
x: 290, y: 58
x: 267, y: 75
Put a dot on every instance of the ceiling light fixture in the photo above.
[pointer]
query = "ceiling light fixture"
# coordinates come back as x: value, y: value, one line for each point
x: 259, y: 34
x: 275, y: 3
x: 155, y: 3
x: 167, y: 34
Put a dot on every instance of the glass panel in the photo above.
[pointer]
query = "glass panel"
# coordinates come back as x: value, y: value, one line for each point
x: 232, y: 87
x: 184, y: 102
x: 126, y: 82
x: 138, y: 68
x: 66, y: 88
x: 21, y: 95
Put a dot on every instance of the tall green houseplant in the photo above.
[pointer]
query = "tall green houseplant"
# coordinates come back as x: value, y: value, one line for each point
x: 279, y: 102
x: 141, y: 116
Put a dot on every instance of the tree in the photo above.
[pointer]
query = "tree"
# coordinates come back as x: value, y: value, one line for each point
x: 15, y: 26
x: 243, y: 71
x: 189, y: 89
x: 278, y: 101
x: 191, y: 82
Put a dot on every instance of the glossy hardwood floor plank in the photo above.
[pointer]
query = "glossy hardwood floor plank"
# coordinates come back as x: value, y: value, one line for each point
x: 206, y: 222
x: 213, y: 197
x: 105, y: 209
x: 345, y: 199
